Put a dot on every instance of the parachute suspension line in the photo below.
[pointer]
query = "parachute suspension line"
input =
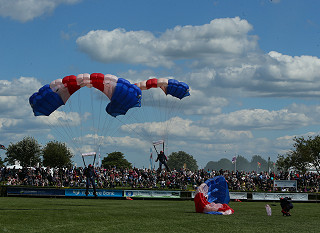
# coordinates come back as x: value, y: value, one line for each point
x: 136, y: 116
x: 133, y: 130
x: 92, y: 117
x: 75, y: 136
x: 167, y: 110
x: 111, y: 137
x: 74, y: 132
x: 106, y: 127
x: 142, y: 117
x: 144, y: 134
x: 99, y: 118
x: 63, y: 130
x: 161, y: 104
x: 81, y: 121
x: 58, y: 130
x: 175, y: 108
x: 157, y: 103
x: 156, y: 111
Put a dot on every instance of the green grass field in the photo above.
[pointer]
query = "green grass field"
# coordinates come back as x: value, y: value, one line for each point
x: 108, y: 215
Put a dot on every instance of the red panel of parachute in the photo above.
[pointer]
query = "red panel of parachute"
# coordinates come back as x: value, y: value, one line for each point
x: 97, y: 81
x: 200, y: 202
x: 152, y: 83
x: 71, y: 83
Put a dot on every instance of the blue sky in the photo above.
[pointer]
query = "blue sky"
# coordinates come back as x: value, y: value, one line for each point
x: 253, y: 69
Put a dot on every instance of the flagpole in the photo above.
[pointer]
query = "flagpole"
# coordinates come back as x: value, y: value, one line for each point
x: 234, y: 160
x: 99, y: 158
x: 151, y: 159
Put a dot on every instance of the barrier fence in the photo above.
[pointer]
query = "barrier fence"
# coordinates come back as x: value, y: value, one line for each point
x: 108, y: 193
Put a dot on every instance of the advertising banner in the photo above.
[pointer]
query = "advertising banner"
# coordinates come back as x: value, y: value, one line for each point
x: 238, y: 195
x: 285, y: 183
x: 277, y: 196
x: 233, y: 195
x: 34, y: 191
x: 100, y: 193
x: 152, y: 193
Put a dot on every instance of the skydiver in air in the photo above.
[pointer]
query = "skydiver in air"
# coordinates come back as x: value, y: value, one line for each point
x: 90, y: 175
x: 162, y: 160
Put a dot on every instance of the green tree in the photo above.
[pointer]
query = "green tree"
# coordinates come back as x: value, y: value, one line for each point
x: 283, y: 163
x: 306, y: 153
x: 254, y: 163
x: 224, y: 164
x: 27, y: 151
x: 116, y: 159
x: 211, y: 165
x: 56, y: 154
x: 242, y: 164
x: 1, y: 162
x: 180, y: 159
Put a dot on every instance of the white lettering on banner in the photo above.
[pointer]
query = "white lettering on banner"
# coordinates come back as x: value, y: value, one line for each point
x: 159, y: 194
x: 78, y: 192
x: 107, y: 193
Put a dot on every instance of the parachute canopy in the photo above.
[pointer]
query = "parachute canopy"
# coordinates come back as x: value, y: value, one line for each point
x: 122, y: 94
x: 212, y: 197
x: 169, y: 86
x: 161, y: 107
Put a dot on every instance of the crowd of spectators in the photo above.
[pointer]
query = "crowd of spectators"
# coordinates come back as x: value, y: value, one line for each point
x: 153, y: 179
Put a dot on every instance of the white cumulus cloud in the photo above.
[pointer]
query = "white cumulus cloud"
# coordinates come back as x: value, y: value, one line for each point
x: 26, y: 10
x: 220, y: 36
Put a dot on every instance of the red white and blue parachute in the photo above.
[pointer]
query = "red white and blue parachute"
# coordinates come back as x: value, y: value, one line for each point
x: 122, y: 94
x: 165, y: 108
x: 212, y: 197
x: 169, y: 86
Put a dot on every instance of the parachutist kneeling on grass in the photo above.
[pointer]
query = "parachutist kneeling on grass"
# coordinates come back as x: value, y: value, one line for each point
x: 286, y: 206
x: 90, y: 174
x: 162, y: 160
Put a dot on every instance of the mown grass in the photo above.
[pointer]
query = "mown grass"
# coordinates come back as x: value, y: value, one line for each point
x: 109, y: 215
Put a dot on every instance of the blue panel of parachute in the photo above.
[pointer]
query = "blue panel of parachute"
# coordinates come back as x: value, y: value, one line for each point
x: 218, y: 191
x: 177, y: 89
x: 214, y: 212
x: 125, y: 96
x: 45, y: 101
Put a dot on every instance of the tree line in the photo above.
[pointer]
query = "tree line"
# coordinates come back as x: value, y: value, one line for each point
x: 240, y: 163
x: 304, y: 155
x: 30, y: 153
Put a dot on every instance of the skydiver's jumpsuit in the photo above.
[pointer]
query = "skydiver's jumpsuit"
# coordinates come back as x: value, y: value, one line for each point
x: 162, y: 160
x: 90, y: 174
x: 286, y: 206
